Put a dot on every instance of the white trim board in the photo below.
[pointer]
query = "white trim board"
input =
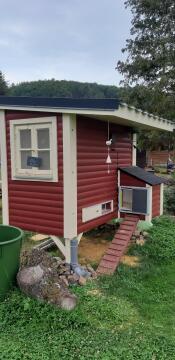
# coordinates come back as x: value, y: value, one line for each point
x: 134, y: 149
x: 124, y: 115
x: 161, y: 198
x: 149, y: 216
x: 70, y: 175
x: 4, y: 173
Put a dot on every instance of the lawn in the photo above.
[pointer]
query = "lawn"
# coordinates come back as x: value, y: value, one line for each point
x: 129, y: 315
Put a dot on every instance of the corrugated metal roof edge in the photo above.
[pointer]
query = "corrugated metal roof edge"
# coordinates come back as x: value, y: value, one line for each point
x: 148, y: 114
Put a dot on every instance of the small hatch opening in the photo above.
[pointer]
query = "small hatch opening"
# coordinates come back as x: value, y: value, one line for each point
x: 107, y: 207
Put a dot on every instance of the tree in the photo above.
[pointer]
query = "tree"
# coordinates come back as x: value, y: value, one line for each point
x: 63, y: 88
x: 150, y: 64
x: 151, y: 48
x: 3, y: 84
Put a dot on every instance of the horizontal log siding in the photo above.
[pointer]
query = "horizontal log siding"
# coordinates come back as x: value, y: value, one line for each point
x: 156, y: 201
x: 128, y: 180
x: 36, y: 206
x: 95, y: 185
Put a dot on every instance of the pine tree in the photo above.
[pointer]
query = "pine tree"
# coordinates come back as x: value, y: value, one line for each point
x: 3, y: 84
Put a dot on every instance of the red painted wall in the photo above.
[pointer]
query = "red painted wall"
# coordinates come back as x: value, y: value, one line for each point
x: 156, y: 201
x: 95, y: 185
x: 36, y: 205
x: 128, y: 180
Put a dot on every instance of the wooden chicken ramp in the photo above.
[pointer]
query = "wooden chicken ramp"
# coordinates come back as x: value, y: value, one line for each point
x: 113, y: 254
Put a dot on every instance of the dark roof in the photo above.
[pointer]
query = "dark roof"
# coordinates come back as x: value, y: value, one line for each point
x: 24, y: 101
x: 143, y: 175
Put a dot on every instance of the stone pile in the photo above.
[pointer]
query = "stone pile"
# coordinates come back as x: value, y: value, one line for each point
x: 48, y: 278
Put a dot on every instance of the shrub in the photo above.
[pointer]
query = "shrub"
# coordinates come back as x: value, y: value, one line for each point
x: 169, y: 203
x: 160, y: 245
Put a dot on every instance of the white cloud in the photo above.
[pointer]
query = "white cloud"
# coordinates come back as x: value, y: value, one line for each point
x: 70, y: 39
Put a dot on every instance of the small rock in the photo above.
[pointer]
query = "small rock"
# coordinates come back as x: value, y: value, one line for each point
x: 91, y: 270
x: 145, y: 234
x: 59, y: 261
x: 73, y: 279
x: 68, y: 302
x: 64, y: 279
x: 82, y: 281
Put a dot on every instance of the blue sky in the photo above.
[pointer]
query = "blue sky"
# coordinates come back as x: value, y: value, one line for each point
x: 62, y: 39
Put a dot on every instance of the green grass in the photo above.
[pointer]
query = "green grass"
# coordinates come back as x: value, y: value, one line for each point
x: 129, y: 315
x: 0, y: 211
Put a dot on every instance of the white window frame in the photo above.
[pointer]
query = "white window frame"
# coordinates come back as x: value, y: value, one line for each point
x: 34, y: 174
x: 149, y: 195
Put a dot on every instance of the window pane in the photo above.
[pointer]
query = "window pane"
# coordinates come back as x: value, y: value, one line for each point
x: 43, y: 138
x: 24, y: 156
x: 45, y: 160
x: 140, y: 201
x: 127, y: 199
x: 25, y: 139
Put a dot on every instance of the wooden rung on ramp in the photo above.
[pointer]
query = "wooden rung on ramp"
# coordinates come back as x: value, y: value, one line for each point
x: 116, y: 249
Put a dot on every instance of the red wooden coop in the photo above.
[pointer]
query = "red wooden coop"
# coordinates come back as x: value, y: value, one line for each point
x: 68, y: 165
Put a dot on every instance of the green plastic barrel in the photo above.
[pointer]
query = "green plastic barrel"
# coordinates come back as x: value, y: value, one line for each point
x: 10, y: 246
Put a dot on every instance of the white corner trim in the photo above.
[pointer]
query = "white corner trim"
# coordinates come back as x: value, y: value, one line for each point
x: 4, y: 169
x: 79, y: 237
x: 59, y: 244
x: 134, y: 149
x: 70, y: 175
x: 149, y: 216
x: 161, y: 198
x: 118, y: 194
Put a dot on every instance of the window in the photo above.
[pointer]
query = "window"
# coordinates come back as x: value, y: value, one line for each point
x: 134, y: 200
x: 127, y: 199
x: 107, y: 207
x: 34, y: 149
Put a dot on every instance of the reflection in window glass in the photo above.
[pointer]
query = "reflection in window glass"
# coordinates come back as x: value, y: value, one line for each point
x: 45, y: 160
x: 43, y: 138
x: 25, y: 139
x: 127, y: 199
x: 24, y: 156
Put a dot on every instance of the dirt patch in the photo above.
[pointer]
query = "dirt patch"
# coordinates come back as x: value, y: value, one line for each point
x: 132, y: 261
x: 91, y: 249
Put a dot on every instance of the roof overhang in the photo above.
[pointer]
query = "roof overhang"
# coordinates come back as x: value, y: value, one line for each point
x: 122, y: 114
